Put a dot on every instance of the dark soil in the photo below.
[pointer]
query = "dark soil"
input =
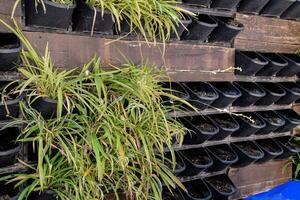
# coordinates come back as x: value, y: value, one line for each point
x: 295, y: 89
x: 221, y: 186
x: 223, y: 154
x: 254, y: 120
x: 272, y: 119
x: 199, y: 159
x: 9, y: 46
x: 231, y: 92
x: 170, y: 196
x: 206, y: 127
x: 249, y: 149
x: 225, y: 123
x: 271, y: 147
x: 197, y: 191
x: 205, y: 94
x: 8, y: 137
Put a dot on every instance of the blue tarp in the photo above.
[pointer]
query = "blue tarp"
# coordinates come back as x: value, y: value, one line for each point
x: 287, y: 191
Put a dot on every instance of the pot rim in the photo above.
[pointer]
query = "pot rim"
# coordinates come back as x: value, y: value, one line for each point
x: 275, y: 124
x: 226, y: 129
x: 248, y: 155
x: 287, y: 118
x: 225, y: 161
x: 13, y: 50
x: 262, y: 94
x: 59, y: 5
x: 290, y: 59
x: 288, y: 89
x: 269, y: 152
x: 209, y: 164
x: 228, y: 95
x: 233, y: 187
x: 275, y: 62
x: 275, y: 93
x: 11, y: 151
x: 212, y: 25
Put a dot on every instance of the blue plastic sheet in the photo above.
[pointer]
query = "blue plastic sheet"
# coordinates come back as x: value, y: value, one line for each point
x: 287, y: 191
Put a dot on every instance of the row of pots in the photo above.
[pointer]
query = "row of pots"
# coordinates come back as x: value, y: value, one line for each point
x: 213, y: 187
x: 267, y: 64
x: 192, y: 162
x: 286, y: 9
x: 203, y: 95
x: 220, y: 126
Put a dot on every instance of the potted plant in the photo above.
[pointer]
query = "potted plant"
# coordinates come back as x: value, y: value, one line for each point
x: 10, y: 48
x: 221, y: 186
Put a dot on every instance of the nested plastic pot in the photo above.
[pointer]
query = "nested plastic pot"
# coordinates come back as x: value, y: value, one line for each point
x: 276, y: 8
x: 45, y: 195
x: 249, y: 123
x: 228, y: 93
x: 226, y: 31
x: 251, y: 93
x: 292, y: 93
x: 10, y: 48
x: 202, y: 95
x: 196, y: 161
x: 222, y: 155
x: 10, y: 107
x: 249, y: 62
x: 201, y: 128
x: 181, y: 27
x: 273, y: 93
x: 273, y: 122
x: 293, y: 67
x: 197, y: 190
x: 270, y: 148
x: 292, y: 119
x: 221, y: 186
x: 248, y: 152
x: 9, y: 148
x: 202, y: 3
x: 180, y: 164
x: 56, y: 15
x: 8, y: 190
x: 47, y: 107
x: 252, y: 7
x: 226, y: 124
x: 293, y: 12
x: 225, y: 4
x: 200, y: 29
x: 276, y: 64
x: 289, y: 145
x: 84, y: 19
x: 175, y: 194
x: 175, y: 89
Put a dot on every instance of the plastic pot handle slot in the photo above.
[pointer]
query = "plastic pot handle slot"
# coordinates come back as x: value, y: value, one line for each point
x: 251, y: 93
x: 226, y: 124
x: 273, y: 93
x: 276, y: 64
x: 276, y: 8
x: 270, y: 148
x: 197, y: 160
x: 200, y: 29
x: 293, y: 12
x: 248, y: 152
x: 221, y: 186
x: 223, y: 156
x: 292, y: 93
x: 197, y: 190
x: 273, y: 122
x: 226, y: 31
x: 292, y: 119
x: 252, y: 7
x: 293, y: 67
x: 249, y: 62
x: 289, y: 145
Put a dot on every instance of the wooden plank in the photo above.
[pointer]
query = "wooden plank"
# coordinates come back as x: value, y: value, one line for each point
x: 74, y: 50
x: 268, y: 34
x: 6, y: 7
x: 8, y: 20
x: 258, y: 178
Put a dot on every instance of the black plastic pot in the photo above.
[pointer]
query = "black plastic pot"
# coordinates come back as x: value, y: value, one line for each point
x: 292, y: 93
x: 175, y: 89
x: 226, y: 31
x: 196, y: 190
x: 276, y: 64
x: 225, y: 4
x: 249, y: 62
x: 292, y: 119
x: 228, y: 93
x: 222, y: 155
x: 293, y: 67
x: 10, y: 48
x: 214, y: 183
x: 226, y: 124
x: 182, y: 27
x: 175, y: 194
x: 45, y: 195
x: 56, y: 15
x: 200, y: 29
x: 180, y: 164
x: 249, y: 123
x: 202, y: 95
x: 273, y: 93
x: 289, y: 145
x: 248, y: 152
x: 9, y: 149
x: 8, y: 191
x: 84, y: 18
x: 273, y: 121
x: 47, y: 107
x: 202, y: 3
x: 270, y: 148
x: 275, y: 8
x: 252, y: 7
x: 201, y: 129
x: 251, y: 93
x: 293, y: 12
x: 197, y: 160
